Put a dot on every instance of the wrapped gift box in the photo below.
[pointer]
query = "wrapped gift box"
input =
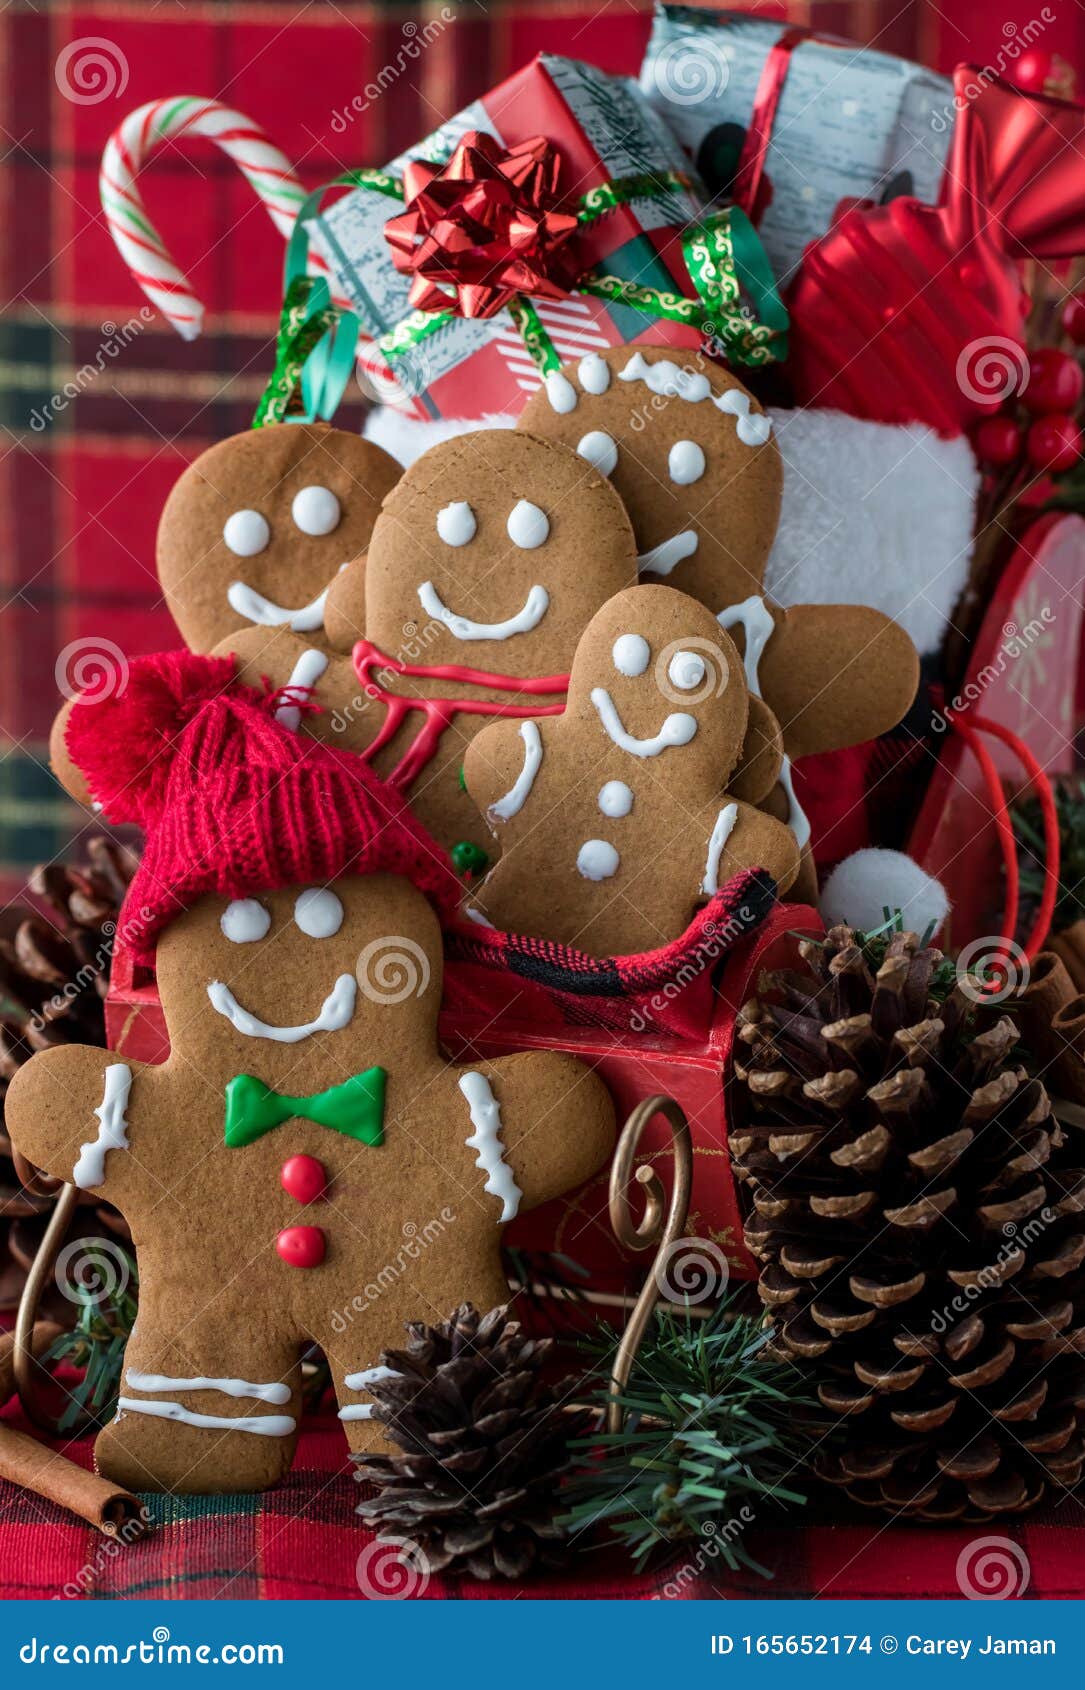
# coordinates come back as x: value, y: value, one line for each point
x: 850, y: 123
x: 604, y: 130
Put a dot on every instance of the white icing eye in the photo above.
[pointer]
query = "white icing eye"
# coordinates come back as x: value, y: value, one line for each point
x: 631, y: 653
x: 686, y: 670
x: 318, y: 913
x: 685, y: 462
x: 597, y: 859
x: 246, y: 533
x: 615, y: 798
x: 316, y: 510
x: 527, y: 526
x: 594, y: 374
x: 244, y: 921
x: 599, y: 449
x: 456, y: 524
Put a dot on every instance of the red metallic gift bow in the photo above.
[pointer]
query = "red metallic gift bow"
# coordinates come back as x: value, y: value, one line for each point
x: 484, y: 227
x: 912, y: 313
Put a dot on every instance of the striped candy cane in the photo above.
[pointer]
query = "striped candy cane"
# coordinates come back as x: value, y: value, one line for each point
x: 137, y: 239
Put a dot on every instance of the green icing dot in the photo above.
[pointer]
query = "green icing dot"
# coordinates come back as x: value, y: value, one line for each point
x: 468, y: 858
x: 463, y: 780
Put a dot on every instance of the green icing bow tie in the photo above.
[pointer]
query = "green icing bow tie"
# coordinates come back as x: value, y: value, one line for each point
x: 355, y: 1108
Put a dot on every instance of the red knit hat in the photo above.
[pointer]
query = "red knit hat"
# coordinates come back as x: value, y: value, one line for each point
x: 233, y: 802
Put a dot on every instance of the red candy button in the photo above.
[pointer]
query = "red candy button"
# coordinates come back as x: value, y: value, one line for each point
x: 301, y: 1246
x: 304, y: 1178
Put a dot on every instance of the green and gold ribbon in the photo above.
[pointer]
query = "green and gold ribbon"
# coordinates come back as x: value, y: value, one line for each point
x: 737, y: 308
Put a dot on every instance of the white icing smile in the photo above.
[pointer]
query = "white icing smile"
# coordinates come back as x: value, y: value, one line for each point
x: 254, y: 607
x: 335, y: 1013
x: 534, y: 609
x: 678, y: 728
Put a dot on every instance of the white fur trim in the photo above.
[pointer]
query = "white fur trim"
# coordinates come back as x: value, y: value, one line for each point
x: 866, y: 884
x: 405, y: 438
x: 873, y: 515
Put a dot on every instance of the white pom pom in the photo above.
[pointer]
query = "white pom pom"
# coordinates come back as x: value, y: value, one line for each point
x: 866, y: 884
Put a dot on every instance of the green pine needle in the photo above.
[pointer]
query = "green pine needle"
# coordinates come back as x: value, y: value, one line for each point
x: 102, y: 1329
x: 717, y: 1432
x: 1029, y: 830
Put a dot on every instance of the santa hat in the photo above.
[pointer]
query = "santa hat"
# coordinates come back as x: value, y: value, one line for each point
x: 231, y: 800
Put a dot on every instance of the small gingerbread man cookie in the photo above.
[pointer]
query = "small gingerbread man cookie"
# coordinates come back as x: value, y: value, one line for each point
x: 615, y: 819
x: 256, y: 530
x: 305, y: 1166
x: 488, y: 560
x: 690, y: 451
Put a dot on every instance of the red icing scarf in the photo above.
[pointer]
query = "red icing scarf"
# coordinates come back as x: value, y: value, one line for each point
x: 438, y: 713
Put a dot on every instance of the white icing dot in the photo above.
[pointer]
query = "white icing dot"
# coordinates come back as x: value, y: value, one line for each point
x: 316, y: 510
x: 246, y: 533
x: 615, y: 798
x: 594, y: 373
x: 456, y: 524
x: 561, y: 393
x: 686, y: 462
x: 527, y: 526
x: 597, y: 860
x: 686, y: 670
x: 244, y: 921
x: 599, y: 449
x: 631, y: 653
x: 318, y: 912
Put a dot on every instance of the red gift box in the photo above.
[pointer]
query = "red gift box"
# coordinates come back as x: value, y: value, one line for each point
x: 603, y: 130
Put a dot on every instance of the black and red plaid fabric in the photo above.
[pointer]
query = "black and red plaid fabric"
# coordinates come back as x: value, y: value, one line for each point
x: 304, y: 1540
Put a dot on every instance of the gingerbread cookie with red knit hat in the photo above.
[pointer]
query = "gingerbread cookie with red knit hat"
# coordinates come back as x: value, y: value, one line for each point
x: 305, y: 1122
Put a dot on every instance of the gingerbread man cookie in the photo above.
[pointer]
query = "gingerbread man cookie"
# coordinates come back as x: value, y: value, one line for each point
x: 690, y: 451
x: 615, y: 819
x: 488, y: 560
x: 305, y: 1166
x: 252, y: 535
x: 256, y: 530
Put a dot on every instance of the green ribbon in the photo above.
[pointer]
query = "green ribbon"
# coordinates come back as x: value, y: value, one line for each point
x: 355, y: 1108
x: 738, y: 306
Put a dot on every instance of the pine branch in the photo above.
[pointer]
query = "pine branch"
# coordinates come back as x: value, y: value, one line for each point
x: 97, y: 1341
x: 716, y: 1429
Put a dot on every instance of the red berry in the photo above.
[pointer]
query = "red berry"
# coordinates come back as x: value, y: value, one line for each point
x: 1054, y: 443
x: 1073, y: 318
x: 1054, y: 382
x: 998, y: 441
x: 1033, y: 70
x: 301, y: 1246
x: 304, y: 1178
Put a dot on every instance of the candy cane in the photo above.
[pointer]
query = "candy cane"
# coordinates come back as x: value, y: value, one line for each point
x: 137, y: 239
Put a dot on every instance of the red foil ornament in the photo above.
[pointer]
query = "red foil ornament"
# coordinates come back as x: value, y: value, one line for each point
x: 913, y: 313
x: 484, y: 227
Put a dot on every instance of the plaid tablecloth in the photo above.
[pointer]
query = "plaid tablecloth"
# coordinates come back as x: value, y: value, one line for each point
x: 101, y: 409
x: 303, y: 1540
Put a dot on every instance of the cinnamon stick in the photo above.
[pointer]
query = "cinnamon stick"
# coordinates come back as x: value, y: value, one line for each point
x: 30, y: 1464
x: 1070, y: 946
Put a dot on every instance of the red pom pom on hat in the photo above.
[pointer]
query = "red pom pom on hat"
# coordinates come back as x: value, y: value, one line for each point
x: 232, y: 801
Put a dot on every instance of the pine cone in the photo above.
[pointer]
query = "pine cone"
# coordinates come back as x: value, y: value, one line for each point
x: 917, y: 1211
x: 54, y: 974
x: 485, y: 1443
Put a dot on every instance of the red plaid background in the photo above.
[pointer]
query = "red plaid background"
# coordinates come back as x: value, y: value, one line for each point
x: 80, y: 496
